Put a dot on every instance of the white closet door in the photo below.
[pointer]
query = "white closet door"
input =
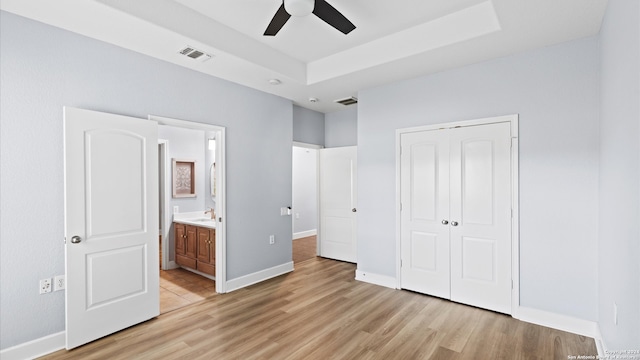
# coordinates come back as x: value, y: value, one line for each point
x: 455, y: 234
x: 425, y: 204
x: 481, y: 208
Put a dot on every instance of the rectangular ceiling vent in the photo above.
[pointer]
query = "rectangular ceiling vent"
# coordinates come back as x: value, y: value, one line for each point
x: 193, y: 53
x: 348, y: 101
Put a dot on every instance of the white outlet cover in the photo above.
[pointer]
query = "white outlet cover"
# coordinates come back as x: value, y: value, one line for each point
x: 59, y: 283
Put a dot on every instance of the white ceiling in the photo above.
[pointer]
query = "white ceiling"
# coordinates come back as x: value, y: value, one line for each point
x: 393, y: 40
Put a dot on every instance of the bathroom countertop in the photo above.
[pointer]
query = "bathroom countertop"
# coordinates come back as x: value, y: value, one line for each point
x: 197, y: 218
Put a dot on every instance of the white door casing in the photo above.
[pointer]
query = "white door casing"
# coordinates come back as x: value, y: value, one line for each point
x: 338, y: 199
x: 456, y: 196
x: 111, y: 207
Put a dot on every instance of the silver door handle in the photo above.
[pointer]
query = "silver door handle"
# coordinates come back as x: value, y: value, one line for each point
x: 454, y: 223
x: 76, y: 239
x: 353, y: 210
x: 445, y: 222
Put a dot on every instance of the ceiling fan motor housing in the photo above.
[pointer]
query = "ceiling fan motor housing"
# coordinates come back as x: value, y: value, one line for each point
x: 299, y: 7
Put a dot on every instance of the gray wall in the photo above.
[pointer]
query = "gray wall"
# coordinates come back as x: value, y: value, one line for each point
x: 555, y: 91
x: 305, y: 189
x: 43, y: 69
x: 619, y: 229
x: 308, y: 126
x: 341, y: 127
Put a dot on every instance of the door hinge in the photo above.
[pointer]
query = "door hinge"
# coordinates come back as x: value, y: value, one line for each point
x: 400, y: 262
x: 511, y: 284
x: 400, y: 206
x: 400, y: 150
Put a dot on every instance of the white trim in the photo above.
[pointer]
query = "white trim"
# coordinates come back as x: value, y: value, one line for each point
x: 172, y: 265
x: 307, y: 145
x: 515, y: 175
x: 304, y: 234
x: 600, y: 345
x: 558, y: 321
x: 376, y: 279
x: 221, y: 197
x: 259, y: 276
x: 35, y: 348
x: 165, y: 188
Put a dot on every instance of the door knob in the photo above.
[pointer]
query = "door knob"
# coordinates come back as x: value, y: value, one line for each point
x: 353, y: 210
x: 454, y: 223
x: 445, y: 222
x: 76, y: 239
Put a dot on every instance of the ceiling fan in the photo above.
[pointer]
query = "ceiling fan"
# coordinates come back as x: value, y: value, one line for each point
x: 319, y: 8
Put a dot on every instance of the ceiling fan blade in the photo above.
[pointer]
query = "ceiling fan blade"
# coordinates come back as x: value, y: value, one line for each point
x: 278, y: 21
x: 333, y: 17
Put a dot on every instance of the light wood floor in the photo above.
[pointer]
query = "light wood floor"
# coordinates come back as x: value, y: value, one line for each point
x: 320, y: 312
x: 179, y: 287
x: 304, y: 249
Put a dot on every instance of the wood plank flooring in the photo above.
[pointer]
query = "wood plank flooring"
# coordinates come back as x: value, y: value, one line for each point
x: 304, y: 249
x: 320, y: 312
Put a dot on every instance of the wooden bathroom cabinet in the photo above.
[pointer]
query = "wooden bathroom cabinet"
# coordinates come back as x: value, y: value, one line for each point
x: 195, y: 247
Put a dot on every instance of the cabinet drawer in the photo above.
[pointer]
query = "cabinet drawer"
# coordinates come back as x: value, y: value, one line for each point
x: 206, y: 268
x: 185, y: 261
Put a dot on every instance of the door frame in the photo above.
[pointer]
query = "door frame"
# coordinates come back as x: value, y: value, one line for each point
x: 221, y: 195
x: 515, y: 174
x: 165, y: 189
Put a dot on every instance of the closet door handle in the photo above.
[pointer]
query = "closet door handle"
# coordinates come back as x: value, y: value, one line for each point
x: 454, y: 223
x: 445, y: 222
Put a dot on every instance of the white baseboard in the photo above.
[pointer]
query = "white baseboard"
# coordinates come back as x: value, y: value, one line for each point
x: 304, y: 234
x: 558, y: 321
x: 35, y: 348
x: 376, y: 279
x: 256, y: 277
x: 172, y: 265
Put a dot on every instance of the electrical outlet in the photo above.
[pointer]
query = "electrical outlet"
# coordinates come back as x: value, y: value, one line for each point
x: 272, y: 239
x: 45, y: 286
x: 176, y: 209
x: 297, y: 215
x: 59, y: 283
x: 615, y: 313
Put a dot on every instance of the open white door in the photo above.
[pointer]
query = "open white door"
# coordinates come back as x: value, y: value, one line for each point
x: 111, y: 223
x: 338, y: 196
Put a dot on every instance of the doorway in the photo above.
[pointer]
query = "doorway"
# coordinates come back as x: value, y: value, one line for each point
x: 305, y: 208
x: 206, y: 184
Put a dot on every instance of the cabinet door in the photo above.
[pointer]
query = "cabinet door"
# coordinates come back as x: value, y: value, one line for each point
x: 191, y: 242
x: 180, y: 239
x: 203, y: 244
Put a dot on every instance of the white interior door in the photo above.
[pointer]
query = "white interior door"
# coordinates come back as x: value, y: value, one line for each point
x: 338, y: 196
x: 455, y: 235
x: 425, y: 206
x: 481, y: 208
x: 111, y: 223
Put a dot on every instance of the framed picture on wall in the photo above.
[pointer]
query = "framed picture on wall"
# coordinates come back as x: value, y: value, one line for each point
x: 184, y: 178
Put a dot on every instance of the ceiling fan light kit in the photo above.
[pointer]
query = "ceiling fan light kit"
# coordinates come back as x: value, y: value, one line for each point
x: 299, y: 7
x: 319, y: 8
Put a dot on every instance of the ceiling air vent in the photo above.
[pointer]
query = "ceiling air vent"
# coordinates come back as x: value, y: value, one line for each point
x: 195, y: 54
x: 348, y: 101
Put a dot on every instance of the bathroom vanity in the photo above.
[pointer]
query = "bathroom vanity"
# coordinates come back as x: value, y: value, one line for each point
x: 195, y: 245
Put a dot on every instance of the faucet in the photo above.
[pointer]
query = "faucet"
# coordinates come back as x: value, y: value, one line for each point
x: 213, y: 213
